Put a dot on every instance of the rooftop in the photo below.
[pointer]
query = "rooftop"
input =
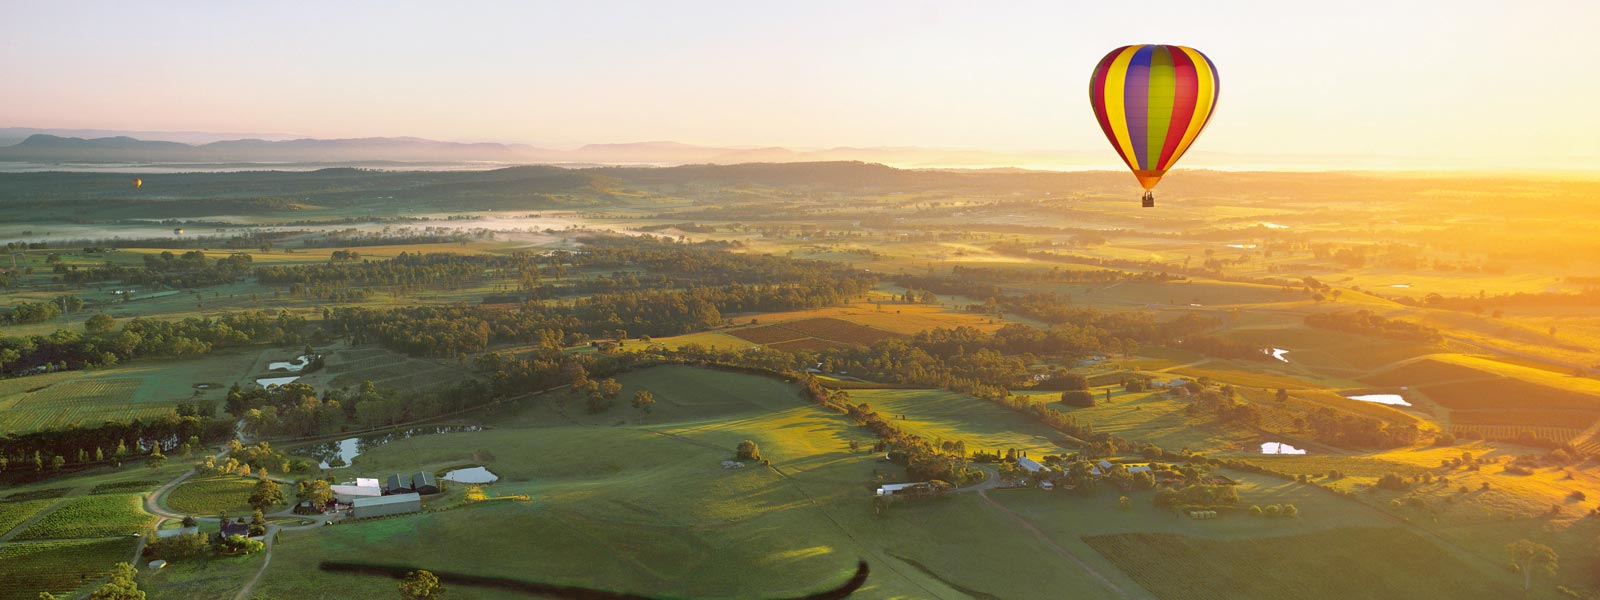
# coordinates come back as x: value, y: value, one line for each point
x: 382, y: 500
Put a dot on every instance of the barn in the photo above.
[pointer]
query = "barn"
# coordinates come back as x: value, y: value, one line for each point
x: 398, y: 484
x: 395, y: 504
x: 424, y: 482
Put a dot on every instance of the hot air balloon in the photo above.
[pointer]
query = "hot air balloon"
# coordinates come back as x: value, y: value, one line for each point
x: 138, y: 183
x: 1152, y: 101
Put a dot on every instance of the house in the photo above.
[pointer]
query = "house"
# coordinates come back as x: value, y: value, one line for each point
x: 398, y: 484
x: 1139, y: 469
x: 1104, y: 464
x: 394, y: 504
x: 346, y: 494
x: 233, y: 528
x: 1029, y: 465
x: 1046, y: 485
x: 424, y: 482
x: 1170, y: 383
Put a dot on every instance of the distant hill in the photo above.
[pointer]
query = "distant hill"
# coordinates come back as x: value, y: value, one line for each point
x: 44, y: 147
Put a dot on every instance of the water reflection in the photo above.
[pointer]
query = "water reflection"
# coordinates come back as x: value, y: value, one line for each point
x: 336, y: 454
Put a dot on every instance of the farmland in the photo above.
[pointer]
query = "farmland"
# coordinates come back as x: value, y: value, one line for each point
x: 14, y: 512
x: 92, y: 516
x: 1386, y: 562
x: 211, y: 495
x: 58, y: 567
x: 811, y: 334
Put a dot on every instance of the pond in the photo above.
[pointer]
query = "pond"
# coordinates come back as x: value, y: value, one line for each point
x: 293, y: 367
x: 267, y: 382
x: 1279, y: 448
x: 1278, y: 353
x: 1400, y: 285
x: 1390, y: 399
x: 1273, y: 225
x: 472, y: 475
x: 337, y: 454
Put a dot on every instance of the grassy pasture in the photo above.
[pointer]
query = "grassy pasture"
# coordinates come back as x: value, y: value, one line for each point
x: 1392, y: 563
x: 952, y: 416
x: 209, y: 495
x: 58, y: 567
x: 92, y: 516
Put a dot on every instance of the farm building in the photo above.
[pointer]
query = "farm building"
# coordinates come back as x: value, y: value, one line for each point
x: 397, y: 504
x: 398, y: 484
x: 346, y: 494
x: 921, y: 488
x: 424, y: 482
x: 1139, y: 469
x: 369, y: 482
x: 233, y: 528
x: 1029, y: 465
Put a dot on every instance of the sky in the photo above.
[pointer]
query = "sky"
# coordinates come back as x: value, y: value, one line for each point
x: 1405, y: 83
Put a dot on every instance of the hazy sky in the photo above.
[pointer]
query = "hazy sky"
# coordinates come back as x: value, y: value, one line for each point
x: 1508, y: 83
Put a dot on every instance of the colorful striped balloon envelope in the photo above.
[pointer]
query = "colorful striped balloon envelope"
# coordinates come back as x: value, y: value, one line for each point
x: 1152, y: 101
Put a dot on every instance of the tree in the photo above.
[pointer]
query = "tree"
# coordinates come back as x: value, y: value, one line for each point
x: 643, y: 400
x: 1527, y: 554
x: 421, y: 585
x: 748, y: 450
x: 99, y: 324
x: 156, y: 459
x: 1125, y: 503
x: 122, y: 586
x: 258, y: 523
x: 1080, y: 398
x: 1074, y: 381
x: 1283, y: 396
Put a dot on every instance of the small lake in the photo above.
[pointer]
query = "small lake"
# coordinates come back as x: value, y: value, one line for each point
x: 1242, y: 246
x: 472, y: 475
x: 1278, y: 353
x: 1390, y: 399
x: 1400, y: 285
x: 337, y: 454
x: 293, y: 367
x: 1273, y: 225
x: 273, y: 381
x: 1280, y: 448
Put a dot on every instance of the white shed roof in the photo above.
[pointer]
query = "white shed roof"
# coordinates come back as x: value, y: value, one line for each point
x: 355, y: 490
x: 1031, y: 465
x: 368, y: 482
x: 889, y: 488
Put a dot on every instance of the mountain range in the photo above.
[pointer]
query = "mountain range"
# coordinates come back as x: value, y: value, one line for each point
x: 40, y: 146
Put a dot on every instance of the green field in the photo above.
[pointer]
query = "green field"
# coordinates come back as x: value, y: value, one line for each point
x: 1334, y: 564
x: 207, y: 496
x: 951, y: 416
x: 13, y: 513
x: 92, y: 516
x: 58, y: 567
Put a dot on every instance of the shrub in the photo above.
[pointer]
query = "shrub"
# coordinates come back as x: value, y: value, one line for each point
x: 1393, y: 481
x: 1074, y: 381
x: 1290, y: 511
x: 1255, y: 511
x: 1080, y: 398
x: 1125, y: 503
x: 748, y: 450
x: 1444, y: 439
x: 1272, y: 510
x: 1577, y: 496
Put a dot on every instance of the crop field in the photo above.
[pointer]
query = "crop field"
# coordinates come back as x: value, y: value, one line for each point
x: 92, y: 516
x: 123, y: 487
x: 1498, y: 393
x: 1423, y: 371
x: 209, y: 495
x: 1372, y: 562
x: 1248, y: 376
x: 1559, y: 435
x: 59, y: 567
x: 77, y: 401
x: 1318, y: 465
x: 811, y: 334
x: 893, y: 317
x: 1538, y: 418
x: 15, y: 512
x: 1314, y: 399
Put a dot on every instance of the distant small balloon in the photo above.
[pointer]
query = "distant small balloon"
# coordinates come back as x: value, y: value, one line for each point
x: 138, y: 183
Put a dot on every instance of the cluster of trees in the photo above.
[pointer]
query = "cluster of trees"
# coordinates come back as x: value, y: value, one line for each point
x: 1364, y: 322
x: 1198, y: 495
x: 191, y: 269
x: 144, y: 338
x: 29, y: 454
